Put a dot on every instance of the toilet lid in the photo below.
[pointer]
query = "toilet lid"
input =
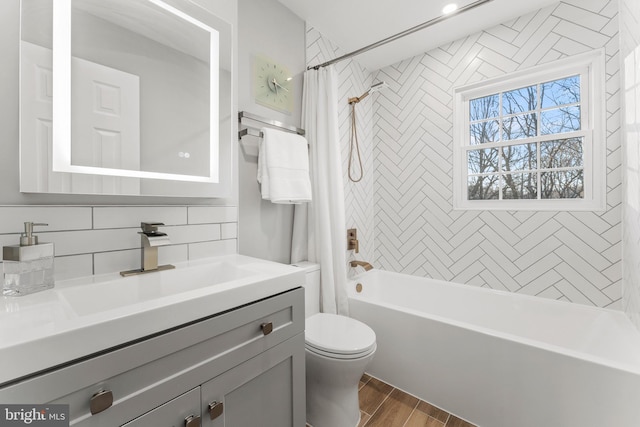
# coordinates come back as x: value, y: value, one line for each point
x: 339, y: 335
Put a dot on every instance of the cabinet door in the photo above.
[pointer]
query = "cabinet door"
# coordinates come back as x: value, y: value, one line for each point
x: 183, y: 411
x: 265, y: 391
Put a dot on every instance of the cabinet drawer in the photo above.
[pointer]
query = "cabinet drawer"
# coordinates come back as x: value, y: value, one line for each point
x: 146, y: 374
x: 174, y: 413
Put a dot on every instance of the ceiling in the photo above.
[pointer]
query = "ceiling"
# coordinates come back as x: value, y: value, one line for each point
x: 353, y: 24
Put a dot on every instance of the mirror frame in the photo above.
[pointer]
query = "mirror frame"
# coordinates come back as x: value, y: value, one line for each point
x: 61, y: 155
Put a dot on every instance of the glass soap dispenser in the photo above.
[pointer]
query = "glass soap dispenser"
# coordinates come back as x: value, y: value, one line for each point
x: 28, y: 267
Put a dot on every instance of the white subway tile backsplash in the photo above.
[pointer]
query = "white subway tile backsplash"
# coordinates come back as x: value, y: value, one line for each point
x: 132, y: 216
x: 12, y: 218
x: 91, y: 241
x: 104, y: 239
x: 9, y: 239
x: 110, y: 262
x: 209, y: 249
x: 212, y: 214
x: 193, y: 233
x: 172, y: 254
x: 229, y: 230
x: 70, y: 267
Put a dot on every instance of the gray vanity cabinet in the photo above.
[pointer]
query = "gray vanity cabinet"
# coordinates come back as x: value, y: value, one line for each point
x: 259, y: 392
x: 249, y: 359
x: 182, y: 411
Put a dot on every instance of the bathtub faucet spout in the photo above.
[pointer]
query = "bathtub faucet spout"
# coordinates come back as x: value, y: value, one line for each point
x: 363, y: 264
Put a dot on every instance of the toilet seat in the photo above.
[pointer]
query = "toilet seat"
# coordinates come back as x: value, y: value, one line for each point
x: 338, y: 337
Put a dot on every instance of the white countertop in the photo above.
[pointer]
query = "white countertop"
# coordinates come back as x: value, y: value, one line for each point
x: 82, y: 316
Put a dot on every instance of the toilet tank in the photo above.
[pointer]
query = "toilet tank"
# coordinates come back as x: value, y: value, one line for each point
x: 311, y: 287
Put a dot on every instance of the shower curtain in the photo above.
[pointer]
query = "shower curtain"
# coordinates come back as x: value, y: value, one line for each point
x: 319, y: 230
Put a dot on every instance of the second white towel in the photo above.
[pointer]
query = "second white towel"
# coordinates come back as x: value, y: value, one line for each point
x: 283, y: 167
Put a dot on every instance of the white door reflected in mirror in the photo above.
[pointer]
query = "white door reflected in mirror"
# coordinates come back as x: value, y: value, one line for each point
x: 111, y: 129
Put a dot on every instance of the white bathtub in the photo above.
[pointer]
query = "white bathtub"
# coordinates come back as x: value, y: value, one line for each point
x: 499, y: 359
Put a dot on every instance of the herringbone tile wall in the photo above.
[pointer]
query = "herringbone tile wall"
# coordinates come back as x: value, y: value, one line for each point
x: 630, y: 50
x: 574, y: 256
x: 403, y: 210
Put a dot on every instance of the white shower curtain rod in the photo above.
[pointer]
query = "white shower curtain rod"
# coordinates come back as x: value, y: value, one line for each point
x: 401, y: 34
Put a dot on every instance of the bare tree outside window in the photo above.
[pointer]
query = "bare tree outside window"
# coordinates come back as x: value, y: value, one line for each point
x: 536, y: 168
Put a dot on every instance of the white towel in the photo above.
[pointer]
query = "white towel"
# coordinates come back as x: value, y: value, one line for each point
x: 283, y: 167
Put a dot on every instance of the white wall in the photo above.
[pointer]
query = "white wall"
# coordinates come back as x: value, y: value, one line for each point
x: 97, y: 234
x: 573, y: 256
x: 630, y: 52
x: 269, y: 29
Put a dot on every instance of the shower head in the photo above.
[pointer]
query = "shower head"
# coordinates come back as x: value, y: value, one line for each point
x: 374, y: 88
x: 378, y: 86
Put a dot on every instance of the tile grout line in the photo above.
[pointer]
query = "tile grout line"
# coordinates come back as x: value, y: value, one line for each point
x: 378, y: 407
x: 364, y: 383
x: 360, y: 387
x: 449, y: 416
x: 415, y: 408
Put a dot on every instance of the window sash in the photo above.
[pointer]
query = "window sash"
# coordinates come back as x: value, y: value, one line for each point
x: 538, y: 171
x: 590, y: 68
x: 542, y: 110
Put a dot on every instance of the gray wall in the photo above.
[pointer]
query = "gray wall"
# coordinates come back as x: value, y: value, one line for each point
x: 269, y: 29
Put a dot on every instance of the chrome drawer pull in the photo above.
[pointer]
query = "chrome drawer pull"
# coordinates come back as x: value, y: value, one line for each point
x: 192, y: 421
x: 215, y: 409
x: 100, y: 401
x: 267, y: 328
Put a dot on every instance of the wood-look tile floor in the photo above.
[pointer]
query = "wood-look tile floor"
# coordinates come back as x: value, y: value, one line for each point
x: 382, y: 405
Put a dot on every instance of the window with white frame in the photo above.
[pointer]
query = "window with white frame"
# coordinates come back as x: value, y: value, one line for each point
x: 533, y: 140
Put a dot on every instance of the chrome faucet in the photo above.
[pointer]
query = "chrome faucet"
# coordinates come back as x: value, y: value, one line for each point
x: 150, y: 239
x: 363, y: 264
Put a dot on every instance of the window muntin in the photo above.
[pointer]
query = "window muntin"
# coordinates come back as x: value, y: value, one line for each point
x: 533, y: 140
x: 546, y: 169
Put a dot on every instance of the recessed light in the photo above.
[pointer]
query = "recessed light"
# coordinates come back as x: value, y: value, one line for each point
x: 451, y: 7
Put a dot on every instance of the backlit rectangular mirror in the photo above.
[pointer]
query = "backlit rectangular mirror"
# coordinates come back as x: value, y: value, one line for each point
x: 124, y: 97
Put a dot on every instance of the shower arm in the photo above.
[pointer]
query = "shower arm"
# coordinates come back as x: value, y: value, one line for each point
x: 357, y: 99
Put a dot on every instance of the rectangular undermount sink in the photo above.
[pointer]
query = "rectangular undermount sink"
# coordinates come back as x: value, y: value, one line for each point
x: 120, y: 292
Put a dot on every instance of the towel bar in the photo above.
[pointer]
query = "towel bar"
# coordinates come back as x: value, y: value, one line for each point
x: 256, y: 118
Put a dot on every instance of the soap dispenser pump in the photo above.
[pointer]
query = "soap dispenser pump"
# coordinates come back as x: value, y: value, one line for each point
x: 27, y: 238
x: 28, y: 267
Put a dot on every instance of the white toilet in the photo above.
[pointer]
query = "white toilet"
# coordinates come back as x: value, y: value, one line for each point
x: 338, y: 350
